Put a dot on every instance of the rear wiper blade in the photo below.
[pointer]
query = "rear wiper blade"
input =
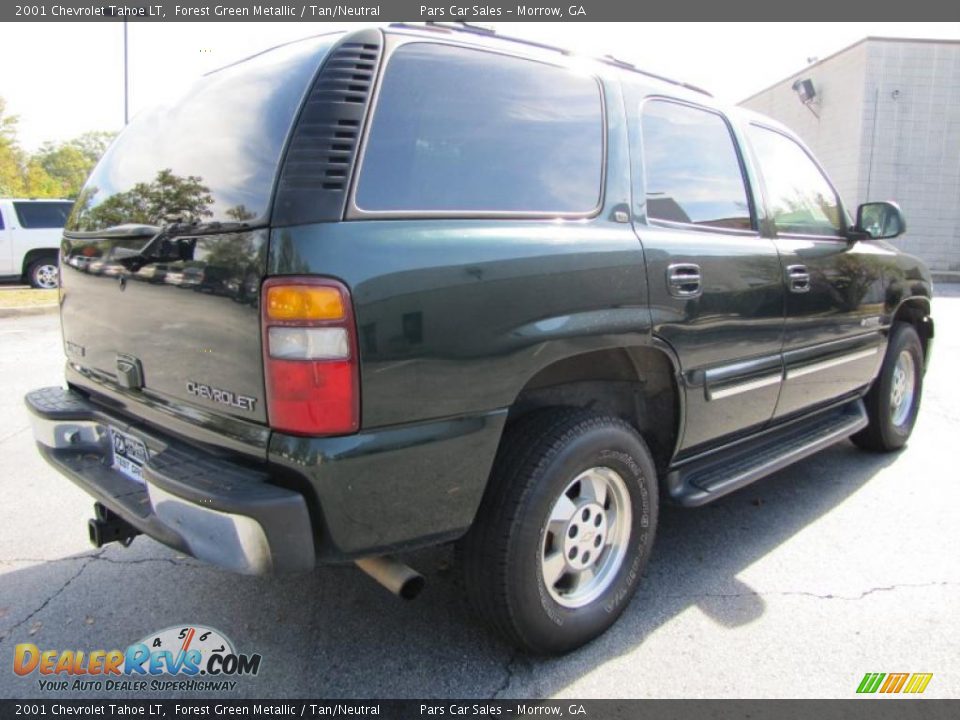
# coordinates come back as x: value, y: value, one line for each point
x: 148, y: 253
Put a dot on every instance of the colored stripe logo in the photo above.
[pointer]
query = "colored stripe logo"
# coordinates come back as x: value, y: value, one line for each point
x: 912, y: 683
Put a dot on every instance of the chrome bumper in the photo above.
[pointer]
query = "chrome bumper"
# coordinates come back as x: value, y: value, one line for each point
x: 200, y: 504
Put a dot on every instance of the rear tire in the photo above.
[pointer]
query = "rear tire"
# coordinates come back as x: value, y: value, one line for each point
x: 44, y: 273
x: 894, y: 399
x: 564, y: 531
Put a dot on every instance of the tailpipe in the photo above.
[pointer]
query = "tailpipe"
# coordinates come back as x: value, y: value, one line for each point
x: 396, y: 577
x: 108, y: 527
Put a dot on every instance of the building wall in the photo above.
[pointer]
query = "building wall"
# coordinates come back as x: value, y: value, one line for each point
x: 889, y: 129
x: 835, y: 137
x: 910, y: 147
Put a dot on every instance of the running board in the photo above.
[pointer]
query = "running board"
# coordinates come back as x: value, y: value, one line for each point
x: 702, y: 481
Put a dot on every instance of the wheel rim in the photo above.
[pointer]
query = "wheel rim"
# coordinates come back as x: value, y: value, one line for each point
x: 586, y: 537
x: 47, y: 276
x: 902, y: 388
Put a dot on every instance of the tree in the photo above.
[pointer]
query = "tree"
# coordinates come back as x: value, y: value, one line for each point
x: 93, y: 144
x: 11, y: 156
x: 66, y: 166
x: 167, y: 198
x: 37, y: 183
x: 55, y: 170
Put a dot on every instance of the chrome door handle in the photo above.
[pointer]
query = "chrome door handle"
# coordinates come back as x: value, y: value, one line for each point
x: 799, y: 278
x: 683, y: 280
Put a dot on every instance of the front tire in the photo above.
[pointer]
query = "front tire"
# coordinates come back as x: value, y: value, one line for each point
x: 564, y: 531
x: 44, y: 273
x: 894, y: 399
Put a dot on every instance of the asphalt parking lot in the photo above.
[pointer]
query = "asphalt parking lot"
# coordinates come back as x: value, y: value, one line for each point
x: 795, y: 587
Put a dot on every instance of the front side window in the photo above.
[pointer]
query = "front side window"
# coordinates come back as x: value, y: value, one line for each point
x: 691, y: 167
x: 34, y: 215
x: 458, y: 131
x: 800, y: 199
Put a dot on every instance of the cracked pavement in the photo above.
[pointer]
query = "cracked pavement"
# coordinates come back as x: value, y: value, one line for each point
x: 793, y: 587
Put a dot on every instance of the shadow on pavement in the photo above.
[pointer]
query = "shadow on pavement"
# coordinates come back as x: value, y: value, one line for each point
x: 335, y: 633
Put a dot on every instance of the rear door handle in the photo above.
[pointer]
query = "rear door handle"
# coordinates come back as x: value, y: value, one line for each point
x: 799, y: 278
x: 683, y: 280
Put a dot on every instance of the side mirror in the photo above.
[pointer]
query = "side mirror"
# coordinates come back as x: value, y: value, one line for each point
x: 880, y: 220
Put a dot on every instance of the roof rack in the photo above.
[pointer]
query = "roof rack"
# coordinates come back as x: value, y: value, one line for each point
x: 484, y: 31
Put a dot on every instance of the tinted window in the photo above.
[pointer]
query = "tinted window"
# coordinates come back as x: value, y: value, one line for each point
x: 213, y: 154
x: 1, y: 220
x: 799, y: 197
x: 465, y: 130
x: 692, y: 168
x: 42, y: 214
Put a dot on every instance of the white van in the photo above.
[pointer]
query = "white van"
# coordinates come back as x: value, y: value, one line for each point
x: 30, y: 233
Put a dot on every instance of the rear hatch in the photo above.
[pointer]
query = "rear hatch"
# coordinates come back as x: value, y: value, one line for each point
x: 166, y: 247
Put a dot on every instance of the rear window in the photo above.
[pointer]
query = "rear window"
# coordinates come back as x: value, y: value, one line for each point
x: 464, y: 131
x: 210, y: 156
x: 36, y: 215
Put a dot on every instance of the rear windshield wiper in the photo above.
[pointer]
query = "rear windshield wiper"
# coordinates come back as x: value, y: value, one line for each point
x: 158, y: 248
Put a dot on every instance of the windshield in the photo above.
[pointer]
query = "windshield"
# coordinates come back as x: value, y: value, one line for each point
x: 212, y: 155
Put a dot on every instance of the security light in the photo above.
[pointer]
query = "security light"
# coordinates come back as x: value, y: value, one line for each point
x: 804, y: 89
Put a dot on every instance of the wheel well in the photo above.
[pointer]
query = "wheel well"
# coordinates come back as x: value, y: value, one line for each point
x: 916, y: 311
x: 634, y: 384
x: 36, y: 254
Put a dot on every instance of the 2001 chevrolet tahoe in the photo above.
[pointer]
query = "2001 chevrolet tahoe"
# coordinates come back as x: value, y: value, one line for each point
x: 374, y: 291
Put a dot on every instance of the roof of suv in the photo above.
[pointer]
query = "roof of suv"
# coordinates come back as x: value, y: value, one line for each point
x: 483, y: 37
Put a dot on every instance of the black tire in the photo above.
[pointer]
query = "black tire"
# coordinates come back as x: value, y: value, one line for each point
x: 501, y: 555
x: 38, y: 273
x: 883, y: 434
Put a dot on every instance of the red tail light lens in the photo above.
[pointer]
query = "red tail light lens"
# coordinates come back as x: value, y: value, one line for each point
x: 311, y: 365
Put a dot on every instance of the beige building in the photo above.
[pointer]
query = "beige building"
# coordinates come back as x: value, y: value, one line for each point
x: 884, y: 120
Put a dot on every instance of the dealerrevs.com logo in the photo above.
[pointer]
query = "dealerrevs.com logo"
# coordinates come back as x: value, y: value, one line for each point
x: 179, y: 658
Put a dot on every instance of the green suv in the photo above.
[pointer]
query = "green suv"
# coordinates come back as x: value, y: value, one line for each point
x: 369, y: 292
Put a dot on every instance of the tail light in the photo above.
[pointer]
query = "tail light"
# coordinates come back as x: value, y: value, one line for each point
x: 310, y: 356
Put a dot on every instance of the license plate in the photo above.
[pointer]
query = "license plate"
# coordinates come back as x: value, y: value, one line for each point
x: 129, y: 454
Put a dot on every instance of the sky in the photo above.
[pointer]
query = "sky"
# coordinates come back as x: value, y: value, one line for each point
x: 63, y: 79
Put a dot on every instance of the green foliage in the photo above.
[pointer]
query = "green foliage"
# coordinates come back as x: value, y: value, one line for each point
x: 56, y: 170
x: 11, y: 157
x: 167, y: 198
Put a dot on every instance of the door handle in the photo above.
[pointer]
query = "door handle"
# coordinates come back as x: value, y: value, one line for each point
x: 799, y: 278
x: 683, y: 280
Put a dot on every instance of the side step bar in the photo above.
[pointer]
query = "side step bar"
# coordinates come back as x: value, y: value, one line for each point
x: 702, y: 481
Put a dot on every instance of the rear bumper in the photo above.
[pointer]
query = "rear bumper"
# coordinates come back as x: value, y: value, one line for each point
x: 203, y: 505
x: 314, y: 500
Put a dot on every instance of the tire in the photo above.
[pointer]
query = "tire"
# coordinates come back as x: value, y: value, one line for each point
x: 44, y: 273
x: 508, y: 580
x: 893, y: 403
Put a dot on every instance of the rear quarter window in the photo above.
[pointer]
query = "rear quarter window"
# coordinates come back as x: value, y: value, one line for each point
x: 36, y: 215
x: 457, y: 130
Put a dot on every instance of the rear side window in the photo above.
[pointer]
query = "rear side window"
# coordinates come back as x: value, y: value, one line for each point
x: 461, y: 131
x: 800, y: 198
x: 692, y: 168
x: 35, y: 215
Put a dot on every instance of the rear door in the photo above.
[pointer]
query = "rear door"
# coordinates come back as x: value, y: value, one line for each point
x: 715, y: 290
x: 166, y: 248
x: 833, y: 341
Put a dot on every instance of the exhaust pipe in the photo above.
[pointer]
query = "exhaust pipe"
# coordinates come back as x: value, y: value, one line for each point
x: 107, y: 527
x: 396, y: 577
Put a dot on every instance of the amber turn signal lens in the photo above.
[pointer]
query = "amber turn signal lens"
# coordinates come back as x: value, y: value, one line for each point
x: 304, y: 302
